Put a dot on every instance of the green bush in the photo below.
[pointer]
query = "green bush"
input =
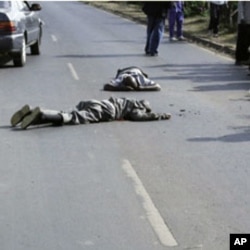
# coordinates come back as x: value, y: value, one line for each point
x: 196, y: 8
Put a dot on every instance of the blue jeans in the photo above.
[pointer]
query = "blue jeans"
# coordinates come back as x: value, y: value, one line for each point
x: 175, y: 18
x: 155, y: 30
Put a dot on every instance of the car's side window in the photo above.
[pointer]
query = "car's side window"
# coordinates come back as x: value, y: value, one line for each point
x: 22, y: 6
x: 4, y: 4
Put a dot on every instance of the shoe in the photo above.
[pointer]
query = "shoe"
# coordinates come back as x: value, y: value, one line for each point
x: 238, y: 63
x: 216, y: 35
x: 30, y: 119
x: 181, y: 38
x: 172, y: 39
x: 19, y: 115
x: 154, y: 54
x: 151, y: 53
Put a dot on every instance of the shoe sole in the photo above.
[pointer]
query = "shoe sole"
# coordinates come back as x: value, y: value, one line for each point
x: 28, y: 120
x: 19, y: 115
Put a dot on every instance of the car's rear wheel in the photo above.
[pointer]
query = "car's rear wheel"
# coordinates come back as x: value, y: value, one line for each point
x: 35, y: 48
x: 19, y: 58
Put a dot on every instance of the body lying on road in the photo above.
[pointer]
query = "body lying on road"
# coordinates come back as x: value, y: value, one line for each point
x: 91, y: 111
x: 131, y: 79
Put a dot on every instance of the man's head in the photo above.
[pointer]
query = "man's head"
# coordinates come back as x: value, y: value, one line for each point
x: 130, y: 81
x: 145, y: 104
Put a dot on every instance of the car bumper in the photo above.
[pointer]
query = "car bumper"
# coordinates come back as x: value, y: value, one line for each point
x: 10, y: 44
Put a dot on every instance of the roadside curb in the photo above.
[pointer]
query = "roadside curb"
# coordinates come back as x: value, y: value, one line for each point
x: 140, y: 18
x: 210, y: 44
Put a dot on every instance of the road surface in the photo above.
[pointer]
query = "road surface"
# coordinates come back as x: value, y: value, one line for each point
x: 179, y: 184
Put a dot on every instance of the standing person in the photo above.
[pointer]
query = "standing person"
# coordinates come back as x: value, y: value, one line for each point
x: 214, y: 12
x: 176, y: 16
x: 90, y: 111
x: 242, y: 53
x: 156, y: 14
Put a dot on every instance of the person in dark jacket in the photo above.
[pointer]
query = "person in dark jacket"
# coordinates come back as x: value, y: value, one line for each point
x: 156, y: 14
x: 91, y: 111
x: 242, y: 53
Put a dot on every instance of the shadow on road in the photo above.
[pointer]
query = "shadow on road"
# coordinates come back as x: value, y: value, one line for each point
x: 100, y: 56
x: 18, y: 129
x: 4, y: 61
x: 209, y: 76
x: 243, y: 136
x: 220, y: 87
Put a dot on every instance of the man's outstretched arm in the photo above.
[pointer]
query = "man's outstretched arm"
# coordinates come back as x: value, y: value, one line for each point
x: 139, y: 115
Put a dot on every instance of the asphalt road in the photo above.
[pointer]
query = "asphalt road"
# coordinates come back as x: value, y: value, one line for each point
x: 179, y: 184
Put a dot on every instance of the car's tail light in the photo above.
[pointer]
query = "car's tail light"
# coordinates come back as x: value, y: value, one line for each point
x: 7, y: 26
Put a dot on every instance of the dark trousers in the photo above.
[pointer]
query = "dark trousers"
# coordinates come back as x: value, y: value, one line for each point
x: 155, y: 31
x: 214, y: 18
x: 243, y: 43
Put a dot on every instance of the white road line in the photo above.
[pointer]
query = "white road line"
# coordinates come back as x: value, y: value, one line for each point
x: 152, y: 213
x: 73, y: 71
x: 54, y: 38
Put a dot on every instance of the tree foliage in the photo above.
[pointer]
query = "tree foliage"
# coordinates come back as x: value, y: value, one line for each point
x: 195, y: 8
x: 228, y: 11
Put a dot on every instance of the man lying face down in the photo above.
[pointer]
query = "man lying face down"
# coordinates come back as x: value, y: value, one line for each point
x: 91, y: 111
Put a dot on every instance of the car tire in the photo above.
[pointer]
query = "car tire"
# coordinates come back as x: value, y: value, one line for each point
x: 19, y: 58
x: 35, y: 48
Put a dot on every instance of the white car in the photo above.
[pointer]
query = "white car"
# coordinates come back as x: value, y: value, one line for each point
x: 20, y: 27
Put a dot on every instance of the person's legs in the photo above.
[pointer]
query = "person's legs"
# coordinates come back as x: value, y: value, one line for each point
x: 247, y: 44
x: 214, y: 18
x: 38, y: 116
x: 157, y: 35
x: 171, y: 23
x: 216, y: 21
x: 211, y: 17
x: 242, y: 44
x: 179, y: 22
x: 150, y: 27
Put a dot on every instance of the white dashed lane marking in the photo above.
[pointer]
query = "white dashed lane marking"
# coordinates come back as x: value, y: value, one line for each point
x: 73, y: 71
x: 70, y: 65
x: 54, y: 38
x: 155, y: 219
